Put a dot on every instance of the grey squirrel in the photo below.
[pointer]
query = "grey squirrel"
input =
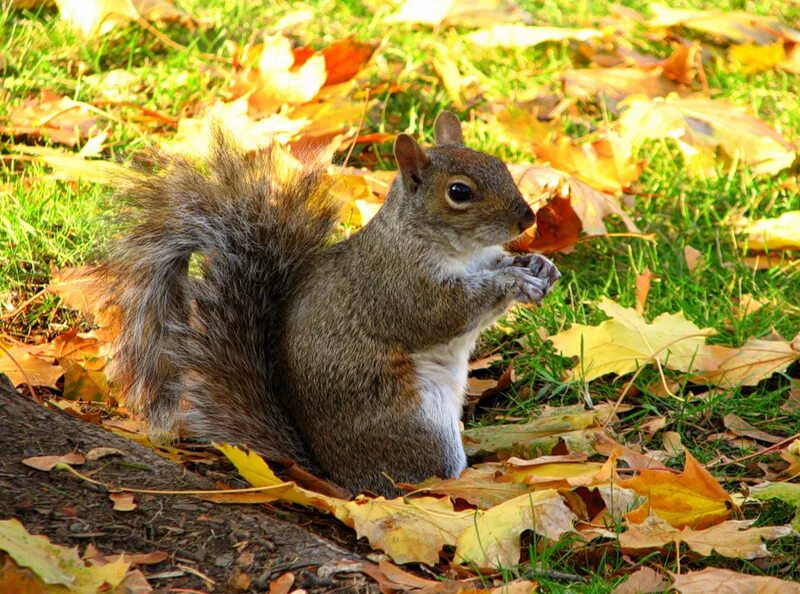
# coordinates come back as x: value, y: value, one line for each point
x: 350, y: 357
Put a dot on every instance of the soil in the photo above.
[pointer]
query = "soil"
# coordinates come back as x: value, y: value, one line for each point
x: 210, y: 546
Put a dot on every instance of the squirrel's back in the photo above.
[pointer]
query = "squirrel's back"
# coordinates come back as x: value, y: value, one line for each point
x: 249, y: 224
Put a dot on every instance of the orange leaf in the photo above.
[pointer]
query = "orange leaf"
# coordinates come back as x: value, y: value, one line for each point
x: 692, y: 498
x: 343, y: 59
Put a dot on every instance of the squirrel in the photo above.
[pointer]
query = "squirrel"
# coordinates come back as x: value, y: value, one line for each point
x: 348, y: 357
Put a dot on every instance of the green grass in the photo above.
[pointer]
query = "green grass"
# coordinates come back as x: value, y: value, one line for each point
x: 45, y: 222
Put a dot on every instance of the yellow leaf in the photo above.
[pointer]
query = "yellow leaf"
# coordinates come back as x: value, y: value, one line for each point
x: 258, y: 473
x: 626, y: 341
x: 463, y: 12
x: 409, y: 530
x: 448, y: 71
x: 494, y: 539
x: 736, y: 26
x: 56, y: 565
x: 782, y: 232
x: 756, y: 58
x: 692, y: 498
x: 527, y: 36
x: 702, y: 125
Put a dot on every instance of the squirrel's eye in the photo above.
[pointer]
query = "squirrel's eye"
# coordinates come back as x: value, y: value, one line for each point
x: 459, y: 192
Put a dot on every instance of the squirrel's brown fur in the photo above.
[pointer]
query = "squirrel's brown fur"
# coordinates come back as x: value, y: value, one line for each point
x: 349, y: 358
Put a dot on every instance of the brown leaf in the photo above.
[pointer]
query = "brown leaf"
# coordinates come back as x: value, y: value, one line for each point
x: 643, y: 288
x: 47, y: 463
x: 713, y: 579
x: 25, y: 364
x: 694, y: 258
x: 53, y: 116
x: 615, y: 84
x: 282, y: 585
x: 739, y: 426
x: 733, y: 538
x: 642, y: 581
x: 123, y: 501
x: 477, y: 485
x: 755, y: 360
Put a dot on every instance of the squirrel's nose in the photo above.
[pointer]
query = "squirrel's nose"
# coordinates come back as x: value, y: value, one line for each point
x: 526, y: 218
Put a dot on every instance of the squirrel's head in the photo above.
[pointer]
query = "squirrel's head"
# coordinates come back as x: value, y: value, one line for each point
x: 466, y: 196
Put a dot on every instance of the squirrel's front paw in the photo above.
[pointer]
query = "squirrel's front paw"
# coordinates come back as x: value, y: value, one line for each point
x: 544, y: 269
x: 524, y: 286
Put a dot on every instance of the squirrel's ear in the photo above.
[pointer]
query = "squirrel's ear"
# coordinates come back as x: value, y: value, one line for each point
x: 411, y: 160
x: 447, y: 129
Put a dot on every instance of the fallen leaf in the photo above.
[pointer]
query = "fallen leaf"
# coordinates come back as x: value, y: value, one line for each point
x: 643, y: 288
x: 448, y: 72
x: 558, y: 472
x: 733, y: 538
x: 258, y: 473
x: 343, y: 59
x: 755, y: 360
x: 25, y: 364
x: 462, y: 12
x: 626, y: 341
x: 735, y: 26
x: 493, y: 541
x: 47, y: 463
x: 538, y: 436
x: 692, y: 498
x: 56, y: 565
x: 98, y: 17
x: 712, y: 579
x: 408, y: 530
x: 782, y: 232
x: 643, y: 581
x: 560, y: 220
x: 694, y: 258
x: 757, y: 58
x: 282, y: 585
x: 102, y: 452
x: 739, y: 426
x: 616, y: 84
x: 748, y: 305
x: 123, y: 501
x: 476, y: 485
x: 57, y: 118
x: 700, y: 126
x: 786, y: 492
x: 528, y: 36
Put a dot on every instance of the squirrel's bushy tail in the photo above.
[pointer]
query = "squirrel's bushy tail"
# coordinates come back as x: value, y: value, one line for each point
x: 206, y: 337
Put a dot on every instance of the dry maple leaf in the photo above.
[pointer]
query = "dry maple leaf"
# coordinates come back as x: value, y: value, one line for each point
x: 778, y: 233
x: 577, y: 208
x: 571, y: 424
x: 725, y: 581
x: 409, y: 530
x: 732, y: 538
x: 627, y: 341
x: 692, y: 498
x: 98, y: 17
x: 755, y: 360
x: 58, y: 118
x: 615, y: 84
x: 528, y: 36
x: 461, y: 12
x: 59, y: 568
x: 643, y: 581
x: 700, y: 126
x: 477, y: 485
x: 493, y: 541
x: 736, y: 26
x: 343, y: 59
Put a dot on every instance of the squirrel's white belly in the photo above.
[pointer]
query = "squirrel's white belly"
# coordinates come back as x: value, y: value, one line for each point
x: 441, y: 379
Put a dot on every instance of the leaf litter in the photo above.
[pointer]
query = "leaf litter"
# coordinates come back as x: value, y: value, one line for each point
x: 540, y: 475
